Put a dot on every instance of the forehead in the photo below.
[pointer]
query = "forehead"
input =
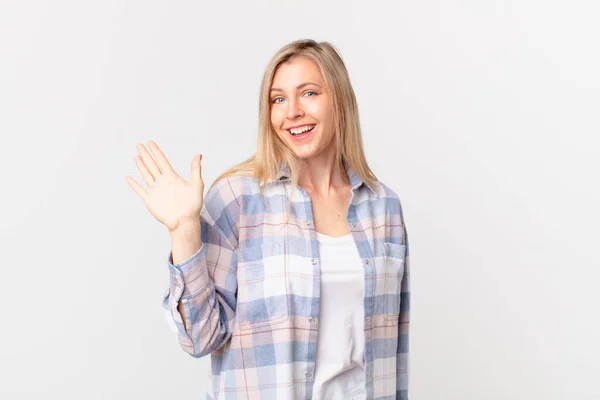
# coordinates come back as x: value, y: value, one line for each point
x: 296, y: 71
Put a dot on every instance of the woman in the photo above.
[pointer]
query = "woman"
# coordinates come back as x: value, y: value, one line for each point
x: 292, y: 272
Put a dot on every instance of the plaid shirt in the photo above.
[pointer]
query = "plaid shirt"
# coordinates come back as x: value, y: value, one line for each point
x: 251, y: 292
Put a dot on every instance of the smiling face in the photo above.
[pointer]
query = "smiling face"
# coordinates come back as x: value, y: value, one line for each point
x: 301, y: 108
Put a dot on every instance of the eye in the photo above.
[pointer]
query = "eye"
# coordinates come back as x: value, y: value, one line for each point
x: 275, y: 99
x: 311, y: 91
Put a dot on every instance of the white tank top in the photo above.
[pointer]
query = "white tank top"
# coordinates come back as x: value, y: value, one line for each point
x: 339, y: 369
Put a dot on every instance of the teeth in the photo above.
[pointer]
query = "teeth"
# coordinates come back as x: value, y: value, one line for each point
x: 303, y: 129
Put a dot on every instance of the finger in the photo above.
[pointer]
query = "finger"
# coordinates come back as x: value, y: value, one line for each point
x: 148, y: 178
x: 197, y: 167
x: 160, y: 157
x: 139, y: 189
x: 148, y: 160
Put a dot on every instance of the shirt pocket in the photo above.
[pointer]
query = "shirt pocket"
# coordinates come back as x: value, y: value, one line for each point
x: 394, y: 271
x: 263, y: 286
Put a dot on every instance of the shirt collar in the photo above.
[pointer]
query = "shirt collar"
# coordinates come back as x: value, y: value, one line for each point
x: 355, y: 181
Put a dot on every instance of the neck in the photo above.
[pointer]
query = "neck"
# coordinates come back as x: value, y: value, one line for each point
x: 322, y: 176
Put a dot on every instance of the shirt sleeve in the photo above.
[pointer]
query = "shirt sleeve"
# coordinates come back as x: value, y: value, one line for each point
x: 206, y: 283
x: 402, y: 361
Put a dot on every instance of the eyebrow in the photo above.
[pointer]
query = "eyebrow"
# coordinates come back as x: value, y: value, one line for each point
x: 297, y: 87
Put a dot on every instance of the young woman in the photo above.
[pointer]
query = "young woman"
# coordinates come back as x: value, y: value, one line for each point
x: 293, y: 271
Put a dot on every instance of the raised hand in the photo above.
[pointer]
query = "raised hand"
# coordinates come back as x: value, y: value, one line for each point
x: 170, y: 199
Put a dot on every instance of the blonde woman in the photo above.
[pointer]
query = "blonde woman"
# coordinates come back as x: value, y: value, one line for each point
x: 293, y: 271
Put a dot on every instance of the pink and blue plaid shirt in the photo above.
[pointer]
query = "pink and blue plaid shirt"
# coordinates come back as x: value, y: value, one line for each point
x: 251, y: 292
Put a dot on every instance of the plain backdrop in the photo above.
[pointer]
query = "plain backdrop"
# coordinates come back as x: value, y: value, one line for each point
x: 481, y: 115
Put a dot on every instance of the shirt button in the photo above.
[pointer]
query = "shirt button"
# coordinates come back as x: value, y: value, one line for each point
x: 368, y: 374
x: 311, y: 320
x: 307, y: 373
x: 366, y: 260
x: 313, y: 261
x: 368, y: 318
x: 307, y: 222
x: 354, y: 225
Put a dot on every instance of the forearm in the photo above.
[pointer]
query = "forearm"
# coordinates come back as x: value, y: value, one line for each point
x: 203, y: 316
x: 201, y: 301
x: 185, y: 242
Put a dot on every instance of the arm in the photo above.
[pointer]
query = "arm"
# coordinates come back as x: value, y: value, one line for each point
x: 402, y: 367
x: 201, y: 300
x: 185, y: 242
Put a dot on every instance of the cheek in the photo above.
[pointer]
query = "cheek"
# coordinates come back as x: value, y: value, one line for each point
x: 322, y: 112
x: 277, y: 116
x: 275, y: 121
x: 324, y: 116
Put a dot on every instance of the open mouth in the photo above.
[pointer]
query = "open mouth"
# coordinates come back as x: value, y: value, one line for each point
x: 301, y: 131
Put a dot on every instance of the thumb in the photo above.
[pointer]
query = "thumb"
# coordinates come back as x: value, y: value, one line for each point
x: 197, y: 167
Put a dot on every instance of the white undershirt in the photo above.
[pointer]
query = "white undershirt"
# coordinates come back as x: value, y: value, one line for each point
x: 339, y: 369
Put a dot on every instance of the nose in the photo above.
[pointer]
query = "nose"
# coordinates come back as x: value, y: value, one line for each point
x: 295, y: 109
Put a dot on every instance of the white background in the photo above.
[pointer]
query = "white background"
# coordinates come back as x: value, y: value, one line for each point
x: 481, y: 115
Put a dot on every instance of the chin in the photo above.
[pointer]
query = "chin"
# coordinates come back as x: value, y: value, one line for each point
x: 305, y: 155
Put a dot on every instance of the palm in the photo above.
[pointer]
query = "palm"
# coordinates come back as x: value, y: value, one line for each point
x: 170, y: 199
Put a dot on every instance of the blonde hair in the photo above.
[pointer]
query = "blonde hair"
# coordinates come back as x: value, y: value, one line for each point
x: 271, y: 150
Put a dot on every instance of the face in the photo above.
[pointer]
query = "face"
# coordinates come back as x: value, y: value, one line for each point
x: 301, y: 108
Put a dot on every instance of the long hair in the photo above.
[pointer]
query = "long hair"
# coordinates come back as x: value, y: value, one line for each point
x: 271, y: 150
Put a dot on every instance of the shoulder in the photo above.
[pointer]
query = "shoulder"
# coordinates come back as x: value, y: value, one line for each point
x: 396, y: 224
x: 390, y: 198
x: 231, y: 188
x: 386, y: 192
